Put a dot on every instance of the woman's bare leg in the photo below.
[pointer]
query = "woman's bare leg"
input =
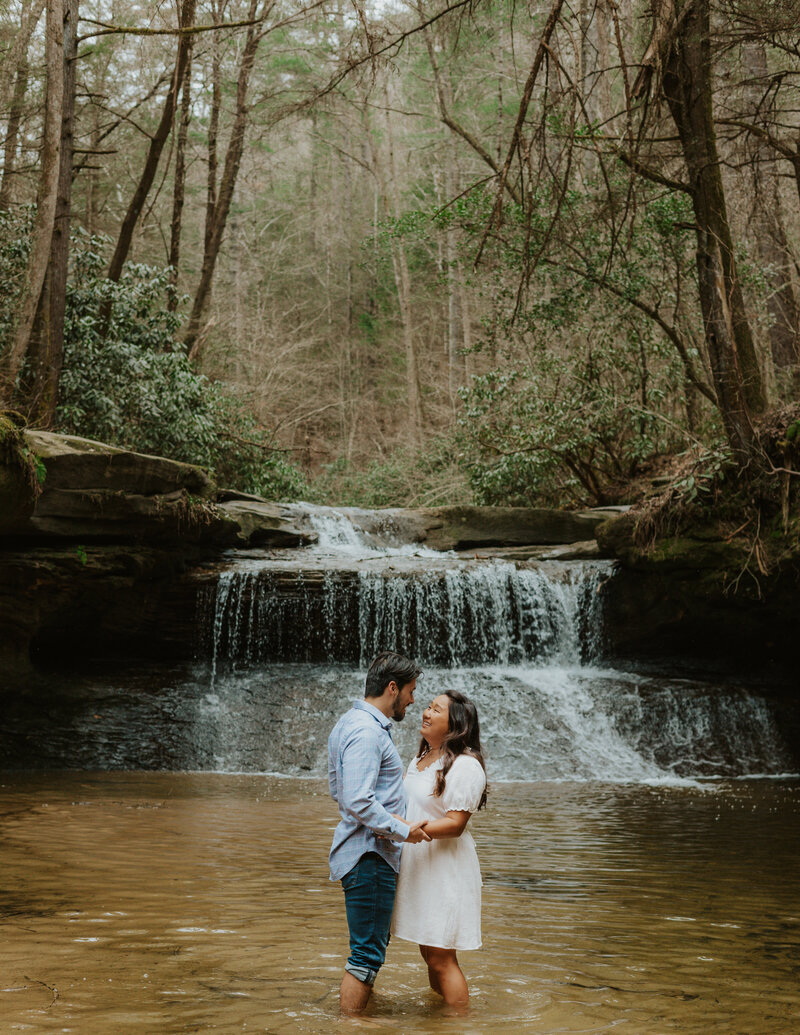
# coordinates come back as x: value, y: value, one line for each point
x: 432, y: 975
x: 446, y: 976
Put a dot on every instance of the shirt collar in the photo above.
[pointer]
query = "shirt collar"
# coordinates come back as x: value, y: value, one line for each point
x: 376, y: 713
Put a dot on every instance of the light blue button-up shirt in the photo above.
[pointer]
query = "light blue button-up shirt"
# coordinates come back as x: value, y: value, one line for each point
x: 365, y: 776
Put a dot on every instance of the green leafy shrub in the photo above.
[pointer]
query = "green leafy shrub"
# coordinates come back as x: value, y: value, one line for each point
x: 127, y: 380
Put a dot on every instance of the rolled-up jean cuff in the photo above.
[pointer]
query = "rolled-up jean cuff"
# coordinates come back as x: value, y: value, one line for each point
x: 364, y: 974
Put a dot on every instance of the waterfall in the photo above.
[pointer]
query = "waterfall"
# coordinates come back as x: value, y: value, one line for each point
x: 488, y: 612
x: 336, y: 531
x: 524, y: 640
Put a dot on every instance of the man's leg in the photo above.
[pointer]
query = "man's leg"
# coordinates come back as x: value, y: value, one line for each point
x: 369, y: 899
x: 353, y: 995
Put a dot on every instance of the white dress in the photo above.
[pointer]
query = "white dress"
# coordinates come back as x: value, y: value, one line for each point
x: 438, y: 899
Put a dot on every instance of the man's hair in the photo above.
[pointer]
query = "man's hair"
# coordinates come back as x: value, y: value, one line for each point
x: 387, y: 667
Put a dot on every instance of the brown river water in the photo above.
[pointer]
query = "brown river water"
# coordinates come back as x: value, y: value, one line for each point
x: 200, y: 902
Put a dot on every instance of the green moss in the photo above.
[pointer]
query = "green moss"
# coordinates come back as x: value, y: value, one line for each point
x: 15, y: 454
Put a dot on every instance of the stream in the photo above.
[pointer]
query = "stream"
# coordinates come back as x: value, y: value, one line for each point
x: 166, y: 828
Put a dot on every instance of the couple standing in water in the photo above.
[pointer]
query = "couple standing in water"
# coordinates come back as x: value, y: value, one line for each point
x: 401, y: 850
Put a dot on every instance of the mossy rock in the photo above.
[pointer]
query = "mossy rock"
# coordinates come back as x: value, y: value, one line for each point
x: 20, y: 474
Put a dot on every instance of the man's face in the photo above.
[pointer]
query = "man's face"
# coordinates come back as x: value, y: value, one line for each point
x: 404, y: 698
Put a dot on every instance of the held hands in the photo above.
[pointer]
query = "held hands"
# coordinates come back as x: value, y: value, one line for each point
x: 418, y: 833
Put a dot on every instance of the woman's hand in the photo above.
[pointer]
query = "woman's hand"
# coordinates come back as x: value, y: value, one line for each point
x: 418, y: 832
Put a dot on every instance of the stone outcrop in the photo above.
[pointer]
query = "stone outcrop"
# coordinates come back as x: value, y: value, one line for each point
x: 261, y: 523
x: 80, y: 602
x: 72, y: 462
x: 464, y: 528
x: 94, y: 539
x: 94, y: 492
x: 470, y: 528
x: 699, y: 597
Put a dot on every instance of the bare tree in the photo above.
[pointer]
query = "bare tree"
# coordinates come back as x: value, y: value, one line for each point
x: 682, y: 44
x: 385, y: 173
x: 46, y: 347
x: 12, y: 95
x: 767, y: 219
x: 179, y: 186
x: 257, y: 16
x: 46, y: 202
x: 157, y: 143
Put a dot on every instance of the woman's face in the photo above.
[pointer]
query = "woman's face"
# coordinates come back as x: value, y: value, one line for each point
x: 435, y: 720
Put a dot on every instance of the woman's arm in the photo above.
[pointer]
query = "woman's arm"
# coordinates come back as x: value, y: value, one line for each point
x: 451, y: 825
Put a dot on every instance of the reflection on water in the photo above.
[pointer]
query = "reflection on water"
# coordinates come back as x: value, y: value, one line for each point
x: 172, y: 903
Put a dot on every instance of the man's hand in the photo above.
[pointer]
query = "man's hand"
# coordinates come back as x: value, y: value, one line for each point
x: 417, y: 833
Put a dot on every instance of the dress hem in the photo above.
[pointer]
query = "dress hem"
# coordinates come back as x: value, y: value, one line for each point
x: 433, y: 945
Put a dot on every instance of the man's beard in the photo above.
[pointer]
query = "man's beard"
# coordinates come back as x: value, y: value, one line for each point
x: 398, y: 716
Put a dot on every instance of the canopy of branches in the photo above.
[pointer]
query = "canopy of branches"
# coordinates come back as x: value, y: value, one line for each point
x: 403, y: 253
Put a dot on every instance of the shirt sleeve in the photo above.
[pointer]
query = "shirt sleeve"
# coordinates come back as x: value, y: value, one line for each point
x: 464, y: 785
x: 361, y: 761
x: 332, y: 781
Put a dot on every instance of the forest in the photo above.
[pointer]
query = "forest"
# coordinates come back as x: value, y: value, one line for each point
x: 421, y: 253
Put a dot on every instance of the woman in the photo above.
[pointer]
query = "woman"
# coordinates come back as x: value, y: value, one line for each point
x: 438, y: 902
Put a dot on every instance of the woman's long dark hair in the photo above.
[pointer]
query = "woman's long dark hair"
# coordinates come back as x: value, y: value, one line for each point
x: 463, y: 737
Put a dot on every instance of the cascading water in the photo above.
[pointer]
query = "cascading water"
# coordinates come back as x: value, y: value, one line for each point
x: 288, y: 638
x: 449, y: 613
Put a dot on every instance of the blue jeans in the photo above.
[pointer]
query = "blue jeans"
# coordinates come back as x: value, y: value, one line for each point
x: 369, y: 900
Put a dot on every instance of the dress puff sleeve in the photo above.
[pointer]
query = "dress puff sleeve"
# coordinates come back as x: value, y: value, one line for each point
x: 464, y: 785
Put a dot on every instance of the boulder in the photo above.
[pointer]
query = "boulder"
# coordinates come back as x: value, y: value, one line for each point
x: 266, y: 524
x: 465, y: 528
x: 95, y: 514
x: 92, y: 491
x: 80, y: 463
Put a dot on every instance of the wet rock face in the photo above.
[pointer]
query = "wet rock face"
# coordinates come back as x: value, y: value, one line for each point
x: 73, y: 603
x: 698, y: 596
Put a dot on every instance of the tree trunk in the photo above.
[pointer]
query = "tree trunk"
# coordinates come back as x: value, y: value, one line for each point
x: 42, y: 236
x: 160, y: 137
x: 47, y: 346
x: 213, y: 127
x: 387, y: 183
x: 179, y: 188
x: 767, y: 219
x: 11, y: 142
x: 687, y: 89
x: 230, y: 172
x: 16, y: 58
x: 92, y: 178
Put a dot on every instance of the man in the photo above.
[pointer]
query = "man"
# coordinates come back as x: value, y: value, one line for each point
x: 365, y: 776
